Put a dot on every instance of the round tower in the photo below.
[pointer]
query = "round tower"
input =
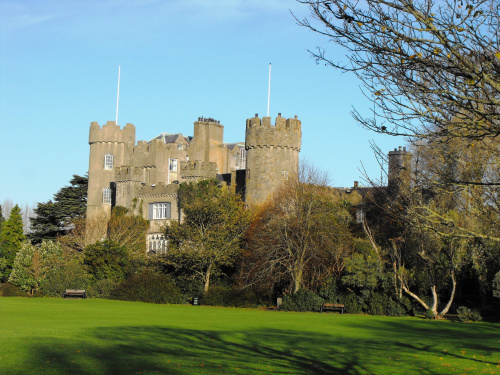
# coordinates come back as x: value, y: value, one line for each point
x: 399, y: 169
x: 272, y: 155
x: 109, y: 146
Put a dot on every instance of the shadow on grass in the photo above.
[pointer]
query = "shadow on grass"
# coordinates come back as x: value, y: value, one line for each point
x: 384, y: 345
x: 471, y: 342
x: 149, y: 350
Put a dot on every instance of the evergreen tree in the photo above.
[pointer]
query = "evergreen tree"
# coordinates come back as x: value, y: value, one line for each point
x: 107, y: 260
x: 11, y: 238
x: 34, y: 264
x: 3, y: 261
x: 54, y: 217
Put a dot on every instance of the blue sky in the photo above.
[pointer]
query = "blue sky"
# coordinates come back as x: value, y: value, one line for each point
x: 180, y: 59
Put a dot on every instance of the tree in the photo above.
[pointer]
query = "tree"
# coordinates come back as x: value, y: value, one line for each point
x: 33, y: 265
x: 27, y: 213
x: 125, y: 229
x: 11, y: 238
x: 107, y: 260
x: 496, y: 285
x: 128, y: 230
x: 300, y: 237
x: 431, y: 68
x: 430, y: 264
x: 209, y: 236
x: 467, y: 211
x: 2, y: 219
x: 53, y: 217
x: 432, y: 71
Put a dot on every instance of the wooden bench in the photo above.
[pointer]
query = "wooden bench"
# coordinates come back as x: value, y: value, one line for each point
x: 74, y: 293
x: 332, y: 307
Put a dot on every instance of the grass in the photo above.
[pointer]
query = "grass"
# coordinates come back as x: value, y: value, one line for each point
x: 56, y: 336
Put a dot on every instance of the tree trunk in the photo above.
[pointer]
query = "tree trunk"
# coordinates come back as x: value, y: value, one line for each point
x: 414, y: 296
x: 207, y: 278
x: 297, y: 280
x: 452, y: 295
x: 434, y: 302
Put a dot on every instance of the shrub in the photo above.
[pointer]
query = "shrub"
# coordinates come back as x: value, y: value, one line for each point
x: 352, y: 303
x: 429, y: 314
x: 107, y: 260
x: 70, y: 275
x: 303, y: 300
x: 102, y: 288
x: 467, y: 315
x: 330, y: 291
x: 224, y: 295
x: 218, y: 295
x: 189, y: 287
x: 10, y: 290
x: 148, y: 287
x: 383, y: 304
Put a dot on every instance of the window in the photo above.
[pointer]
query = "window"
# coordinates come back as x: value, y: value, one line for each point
x: 108, y: 161
x: 284, y: 175
x: 360, y: 214
x: 157, y: 243
x: 243, y: 158
x: 159, y: 211
x: 106, y: 195
x: 180, y: 147
x: 172, y: 165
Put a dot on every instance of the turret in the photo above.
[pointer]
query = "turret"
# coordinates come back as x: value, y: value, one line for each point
x: 399, y: 168
x: 272, y: 155
x: 109, y: 148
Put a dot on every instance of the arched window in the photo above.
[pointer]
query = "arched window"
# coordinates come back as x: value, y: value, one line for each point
x: 108, y: 161
x: 157, y: 243
x: 106, y: 195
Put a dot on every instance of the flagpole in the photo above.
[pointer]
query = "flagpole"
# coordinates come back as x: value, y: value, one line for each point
x: 118, y: 95
x: 269, y: 90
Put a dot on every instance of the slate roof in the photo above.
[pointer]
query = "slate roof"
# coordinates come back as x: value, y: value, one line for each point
x: 171, y: 138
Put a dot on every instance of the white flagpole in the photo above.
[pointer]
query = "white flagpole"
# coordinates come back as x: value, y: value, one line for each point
x: 269, y: 90
x: 118, y: 95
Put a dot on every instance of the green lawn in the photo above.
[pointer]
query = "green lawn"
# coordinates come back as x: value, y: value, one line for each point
x: 56, y: 336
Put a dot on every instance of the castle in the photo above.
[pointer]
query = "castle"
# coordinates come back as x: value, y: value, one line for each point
x: 144, y: 177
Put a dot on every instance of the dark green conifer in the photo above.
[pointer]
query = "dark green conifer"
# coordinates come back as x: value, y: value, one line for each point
x: 11, y: 238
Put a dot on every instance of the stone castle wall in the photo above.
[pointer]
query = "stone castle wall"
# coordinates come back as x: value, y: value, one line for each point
x: 272, y: 155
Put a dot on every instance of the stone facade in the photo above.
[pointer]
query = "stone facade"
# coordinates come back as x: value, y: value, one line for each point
x: 145, y: 176
x: 272, y: 155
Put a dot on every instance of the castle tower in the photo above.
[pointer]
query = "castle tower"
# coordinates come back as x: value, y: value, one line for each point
x: 110, y: 147
x: 399, y: 168
x: 272, y: 155
x: 207, y: 141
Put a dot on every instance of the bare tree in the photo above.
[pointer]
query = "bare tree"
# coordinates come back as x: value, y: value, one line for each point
x: 300, y: 236
x: 27, y: 213
x: 431, y: 68
x: 7, y: 206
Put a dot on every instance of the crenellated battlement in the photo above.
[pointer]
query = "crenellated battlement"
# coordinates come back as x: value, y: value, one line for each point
x: 111, y: 132
x: 129, y: 174
x: 198, y: 169
x: 286, y: 133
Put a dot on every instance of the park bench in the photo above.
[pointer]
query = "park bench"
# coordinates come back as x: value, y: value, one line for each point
x: 332, y: 307
x: 74, y: 293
